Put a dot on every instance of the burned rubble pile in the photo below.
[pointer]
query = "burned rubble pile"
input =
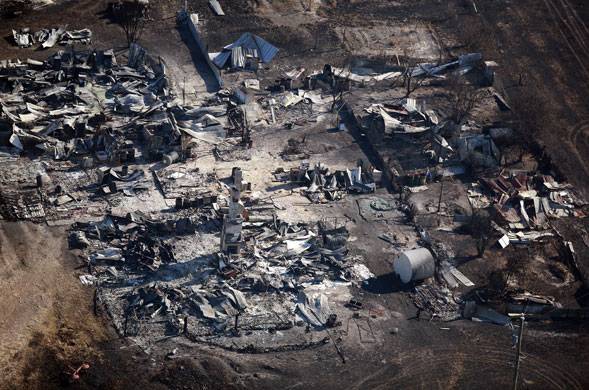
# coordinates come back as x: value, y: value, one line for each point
x: 84, y: 110
x: 91, y: 121
x: 324, y: 185
x: 48, y: 38
x: 77, y: 103
x: 520, y: 207
x: 399, y: 118
x: 438, y: 302
x: 145, y: 274
x: 424, y: 138
x: 526, y: 203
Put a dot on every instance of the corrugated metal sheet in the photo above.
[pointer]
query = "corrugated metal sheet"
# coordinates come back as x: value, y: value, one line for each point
x: 267, y: 51
x: 216, y: 7
x: 252, y: 46
x: 222, y: 58
x: 237, y: 57
x: 240, y: 42
x: 247, y: 52
x: 390, y: 124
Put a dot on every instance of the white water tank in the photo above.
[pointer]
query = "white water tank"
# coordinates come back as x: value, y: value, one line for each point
x: 415, y: 264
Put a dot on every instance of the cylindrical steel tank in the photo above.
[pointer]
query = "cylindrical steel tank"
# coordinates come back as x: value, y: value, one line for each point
x: 415, y: 264
x: 170, y: 157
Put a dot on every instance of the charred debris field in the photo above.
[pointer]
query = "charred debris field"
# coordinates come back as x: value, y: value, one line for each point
x: 293, y: 194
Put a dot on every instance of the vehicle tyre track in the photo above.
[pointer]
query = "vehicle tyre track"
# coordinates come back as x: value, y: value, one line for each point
x: 580, y: 134
x: 573, y: 27
x: 552, y: 9
x: 434, y: 364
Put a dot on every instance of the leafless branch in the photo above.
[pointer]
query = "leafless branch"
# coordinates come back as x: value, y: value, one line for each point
x: 463, y: 97
x: 131, y: 16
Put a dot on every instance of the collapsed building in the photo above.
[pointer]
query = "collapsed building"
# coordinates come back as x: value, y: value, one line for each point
x: 231, y: 262
x: 261, y: 261
x: 419, y: 144
x: 324, y: 185
x: 48, y: 38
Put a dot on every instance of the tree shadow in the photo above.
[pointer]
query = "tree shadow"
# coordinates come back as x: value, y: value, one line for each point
x: 465, y: 259
x: 10, y: 40
x: 385, y: 284
x: 107, y: 14
x: 283, y: 186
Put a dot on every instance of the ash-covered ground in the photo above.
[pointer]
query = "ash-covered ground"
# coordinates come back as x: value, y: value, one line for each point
x: 130, y: 176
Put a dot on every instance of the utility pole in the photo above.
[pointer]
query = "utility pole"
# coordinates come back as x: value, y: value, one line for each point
x: 441, y: 190
x: 519, y: 350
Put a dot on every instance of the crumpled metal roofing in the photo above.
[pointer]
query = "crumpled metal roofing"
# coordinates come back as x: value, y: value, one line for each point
x: 266, y: 50
x: 251, y: 45
x: 216, y: 7
x: 237, y: 57
x: 221, y: 59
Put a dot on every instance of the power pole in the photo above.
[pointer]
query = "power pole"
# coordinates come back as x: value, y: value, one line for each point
x: 519, y: 350
x: 441, y: 191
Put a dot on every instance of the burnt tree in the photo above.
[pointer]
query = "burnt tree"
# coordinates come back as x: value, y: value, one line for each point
x: 534, y: 116
x: 131, y: 15
x: 481, y: 229
x: 409, y: 79
x: 463, y: 97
